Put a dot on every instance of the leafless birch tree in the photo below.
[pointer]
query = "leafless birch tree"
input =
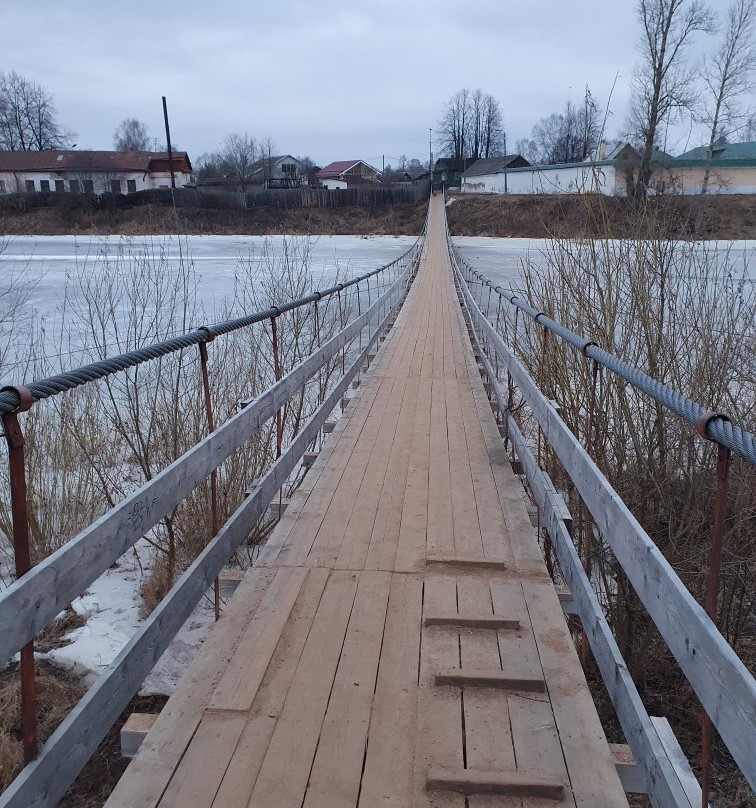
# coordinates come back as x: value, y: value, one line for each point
x: 471, y: 126
x: 664, y: 81
x: 728, y: 75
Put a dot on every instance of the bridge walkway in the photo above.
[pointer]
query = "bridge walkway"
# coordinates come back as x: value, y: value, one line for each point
x: 400, y: 642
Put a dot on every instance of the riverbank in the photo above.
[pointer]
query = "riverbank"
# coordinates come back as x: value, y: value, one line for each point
x: 531, y: 216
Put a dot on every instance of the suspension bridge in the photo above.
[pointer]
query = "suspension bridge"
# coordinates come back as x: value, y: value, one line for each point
x: 399, y: 640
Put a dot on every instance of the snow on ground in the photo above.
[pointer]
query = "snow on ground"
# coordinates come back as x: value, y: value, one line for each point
x: 111, y: 607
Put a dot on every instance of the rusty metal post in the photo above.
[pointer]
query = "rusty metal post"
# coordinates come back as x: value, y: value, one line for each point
x: 547, y: 548
x: 214, y: 519
x: 22, y: 555
x: 277, y: 373
x: 712, y: 593
x: 586, y: 523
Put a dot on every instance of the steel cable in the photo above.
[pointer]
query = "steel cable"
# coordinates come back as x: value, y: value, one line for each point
x: 44, y: 388
x: 717, y: 426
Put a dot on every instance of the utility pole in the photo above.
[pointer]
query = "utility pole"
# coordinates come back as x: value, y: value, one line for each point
x: 168, y: 141
x: 383, y: 158
x: 430, y: 154
x: 506, y: 190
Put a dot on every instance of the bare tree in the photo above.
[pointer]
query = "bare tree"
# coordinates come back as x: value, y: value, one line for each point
x: 663, y: 82
x: 728, y: 75
x: 28, y: 118
x: 131, y: 135
x: 238, y: 153
x: 571, y: 136
x: 471, y: 126
x: 454, y: 126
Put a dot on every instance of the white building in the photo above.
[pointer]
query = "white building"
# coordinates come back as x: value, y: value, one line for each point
x: 90, y: 171
x: 607, y: 176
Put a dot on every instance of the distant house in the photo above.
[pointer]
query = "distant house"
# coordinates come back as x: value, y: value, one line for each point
x: 414, y: 177
x: 283, y: 171
x: 447, y: 171
x: 489, y: 174
x: 732, y: 171
x: 90, y: 171
x: 346, y: 173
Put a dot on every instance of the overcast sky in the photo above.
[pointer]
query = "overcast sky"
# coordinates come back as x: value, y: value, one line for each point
x: 333, y: 79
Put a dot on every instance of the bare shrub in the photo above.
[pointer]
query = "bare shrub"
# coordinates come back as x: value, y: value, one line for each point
x: 89, y: 448
x: 684, y: 312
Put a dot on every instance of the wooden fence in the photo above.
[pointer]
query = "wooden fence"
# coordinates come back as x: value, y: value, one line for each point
x: 279, y: 199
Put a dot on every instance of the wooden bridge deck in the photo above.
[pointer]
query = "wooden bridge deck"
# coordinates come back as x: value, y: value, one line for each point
x: 400, y: 642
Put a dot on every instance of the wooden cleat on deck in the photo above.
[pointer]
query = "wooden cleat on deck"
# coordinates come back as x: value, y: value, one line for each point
x: 512, y: 784
x: 468, y: 563
x: 479, y: 621
x: 493, y: 678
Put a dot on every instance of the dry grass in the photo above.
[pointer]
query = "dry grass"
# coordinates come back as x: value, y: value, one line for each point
x: 564, y: 216
x: 57, y: 693
x: 157, y: 220
x: 53, y: 635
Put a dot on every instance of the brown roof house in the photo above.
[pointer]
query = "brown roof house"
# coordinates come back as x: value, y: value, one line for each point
x: 347, y: 173
x: 90, y: 171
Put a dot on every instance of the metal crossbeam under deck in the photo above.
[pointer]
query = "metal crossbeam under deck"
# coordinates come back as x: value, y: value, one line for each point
x: 399, y: 642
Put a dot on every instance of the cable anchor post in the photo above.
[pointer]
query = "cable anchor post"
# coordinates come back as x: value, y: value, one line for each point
x: 214, y: 517
x: 14, y: 437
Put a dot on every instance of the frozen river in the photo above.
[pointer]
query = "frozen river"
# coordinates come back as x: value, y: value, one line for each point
x: 52, y: 259
x: 54, y: 265
x: 501, y: 259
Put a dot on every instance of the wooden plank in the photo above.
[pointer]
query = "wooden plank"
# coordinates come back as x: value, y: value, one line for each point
x: 471, y: 621
x: 488, y: 678
x: 384, y: 536
x: 337, y: 769
x: 462, y: 563
x: 631, y: 775
x: 150, y: 771
x: 412, y: 538
x: 440, y: 732
x: 286, y: 767
x: 679, y: 762
x: 699, y: 648
x: 517, y: 784
x: 488, y: 735
x: 440, y: 537
x: 238, y: 686
x: 593, y: 777
x: 198, y: 776
x: 241, y: 774
x: 468, y: 540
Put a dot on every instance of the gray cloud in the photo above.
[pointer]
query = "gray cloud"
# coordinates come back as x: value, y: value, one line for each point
x: 333, y: 79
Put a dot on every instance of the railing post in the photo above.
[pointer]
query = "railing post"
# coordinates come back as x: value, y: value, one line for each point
x: 712, y: 591
x: 586, y: 521
x: 14, y: 436
x: 214, y: 518
x: 277, y: 373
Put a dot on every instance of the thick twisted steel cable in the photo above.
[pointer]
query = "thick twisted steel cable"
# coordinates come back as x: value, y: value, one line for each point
x: 716, y: 426
x: 53, y: 385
